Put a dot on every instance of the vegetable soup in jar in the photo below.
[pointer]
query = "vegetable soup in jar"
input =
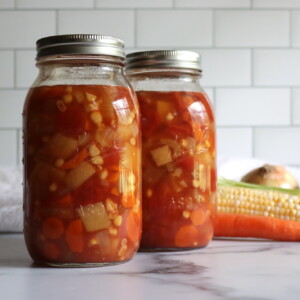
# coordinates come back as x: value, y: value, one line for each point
x: 178, y: 152
x: 82, y: 204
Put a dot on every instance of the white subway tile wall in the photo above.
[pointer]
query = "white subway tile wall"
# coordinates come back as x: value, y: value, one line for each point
x: 228, y: 138
x: 26, y: 71
x: 174, y: 28
x: 242, y: 28
x: 261, y: 107
x: 7, y: 64
x: 250, y: 56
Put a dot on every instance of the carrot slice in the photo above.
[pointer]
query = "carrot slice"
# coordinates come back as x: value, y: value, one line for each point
x: 128, y: 201
x: 186, y: 236
x: 133, y: 226
x: 76, y: 160
x: 65, y: 200
x: 52, y: 228
x: 74, y: 236
x: 235, y: 225
x: 198, y: 216
x: 50, y: 250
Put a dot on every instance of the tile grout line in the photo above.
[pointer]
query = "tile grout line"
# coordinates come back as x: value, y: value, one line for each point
x: 56, y: 21
x: 252, y: 67
x: 291, y: 107
x: 214, y: 28
x: 290, y: 29
x: 135, y: 27
x: 18, y: 147
x: 253, y: 141
x: 15, y: 69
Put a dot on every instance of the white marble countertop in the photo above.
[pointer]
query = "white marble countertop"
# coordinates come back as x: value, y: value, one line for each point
x: 226, y: 269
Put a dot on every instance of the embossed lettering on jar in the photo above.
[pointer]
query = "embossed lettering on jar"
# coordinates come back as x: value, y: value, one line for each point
x: 81, y: 155
x: 178, y: 156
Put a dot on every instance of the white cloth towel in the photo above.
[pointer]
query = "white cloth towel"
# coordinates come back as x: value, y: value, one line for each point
x: 11, y: 198
x: 11, y: 214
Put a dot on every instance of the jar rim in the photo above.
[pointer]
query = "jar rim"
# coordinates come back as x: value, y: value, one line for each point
x: 161, y: 59
x: 80, y: 44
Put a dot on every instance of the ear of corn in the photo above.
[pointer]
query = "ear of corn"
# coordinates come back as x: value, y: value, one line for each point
x: 256, y: 200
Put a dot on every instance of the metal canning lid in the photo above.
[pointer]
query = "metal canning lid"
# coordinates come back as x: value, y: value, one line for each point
x: 88, y: 44
x: 163, y: 59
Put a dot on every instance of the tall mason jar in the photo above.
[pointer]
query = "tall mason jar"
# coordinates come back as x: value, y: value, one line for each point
x: 82, y: 189
x: 178, y: 149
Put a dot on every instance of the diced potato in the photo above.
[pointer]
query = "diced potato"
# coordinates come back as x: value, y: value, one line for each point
x: 177, y: 150
x: 162, y: 155
x: 79, y: 175
x: 60, y: 146
x: 94, y: 217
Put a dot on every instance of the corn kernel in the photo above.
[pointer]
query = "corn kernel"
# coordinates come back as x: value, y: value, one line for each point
x: 104, y: 174
x: 196, y: 183
x: 113, y: 231
x: 53, y: 187
x: 118, y: 220
x: 93, y: 106
x: 97, y: 160
x: 93, y: 242
x: 94, y: 150
x: 124, y: 242
x: 186, y: 214
x: 69, y: 89
x: 170, y: 117
x: 59, y: 162
x: 149, y: 193
x: 96, y: 117
x: 122, y: 250
x: 61, y: 106
x: 68, y: 98
x: 133, y: 141
x: 131, y: 179
x: 136, y: 206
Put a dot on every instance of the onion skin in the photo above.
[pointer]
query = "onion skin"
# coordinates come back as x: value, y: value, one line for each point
x: 270, y: 175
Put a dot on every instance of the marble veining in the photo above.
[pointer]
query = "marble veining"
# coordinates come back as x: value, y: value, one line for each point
x: 226, y: 269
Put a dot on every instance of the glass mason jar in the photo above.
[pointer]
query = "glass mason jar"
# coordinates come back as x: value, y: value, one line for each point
x: 178, y: 156
x: 82, y: 148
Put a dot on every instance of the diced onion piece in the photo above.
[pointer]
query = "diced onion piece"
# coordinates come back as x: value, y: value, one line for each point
x: 112, y: 208
x: 94, y: 217
x: 106, y: 137
x: 60, y: 146
x: 79, y: 95
x: 107, y: 245
x: 130, y: 157
x: 162, y: 155
x: 90, y: 97
x: 79, y: 175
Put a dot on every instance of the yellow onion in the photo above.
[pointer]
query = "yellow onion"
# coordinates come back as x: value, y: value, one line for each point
x: 270, y: 175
